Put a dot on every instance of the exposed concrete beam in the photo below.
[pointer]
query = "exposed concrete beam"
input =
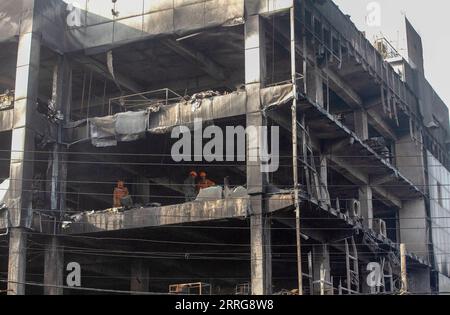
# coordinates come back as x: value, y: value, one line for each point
x: 343, y: 90
x: 348, y: 171
x: 380, y: 125
x: 341, y: 166
x: 358, y: 178
x: 92, y: 64
x: 387, y: 198
x: 338, y: 146
x: 350, y: 69
x: 381, y: 180
x: 208, y: 65
x: 346, y: 92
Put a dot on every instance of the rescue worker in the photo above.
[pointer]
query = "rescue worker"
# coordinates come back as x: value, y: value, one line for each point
x: 204, y: 182
x: 120, y: 192
x: 189, y: 187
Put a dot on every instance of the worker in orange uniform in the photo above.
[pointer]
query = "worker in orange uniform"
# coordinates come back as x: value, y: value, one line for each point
x: 204, y: 182
x: 120, y: 192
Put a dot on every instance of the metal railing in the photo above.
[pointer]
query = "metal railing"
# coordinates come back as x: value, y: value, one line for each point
x: 144, y: 100
x: 385, y: 48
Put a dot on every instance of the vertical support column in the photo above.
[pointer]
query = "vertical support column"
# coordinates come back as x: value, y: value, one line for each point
x: 404, y: 272
x: 321, y: 269
x: 366, y: 201
x: 314, y: 85
x: 361, y: 124
x: 53, y: 267
x: 54, y: 252
x: 17, y: 261
x: 255, y: 73
x: 319, y: 87
x: 22, y: 149
x: 324, y: 179
x: 139, y: 281
x: 414, y: 232
x: 294, y: 113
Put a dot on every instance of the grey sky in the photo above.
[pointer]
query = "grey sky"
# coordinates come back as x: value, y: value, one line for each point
x: 430, y: 18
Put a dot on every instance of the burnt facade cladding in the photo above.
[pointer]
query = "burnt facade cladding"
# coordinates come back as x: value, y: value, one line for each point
x: 92, y: 93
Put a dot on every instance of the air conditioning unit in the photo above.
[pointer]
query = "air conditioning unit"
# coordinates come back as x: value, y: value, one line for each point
x: 379, y: 226
x: 354, y: 209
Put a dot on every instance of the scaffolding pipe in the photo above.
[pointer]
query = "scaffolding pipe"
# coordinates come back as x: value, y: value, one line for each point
x: 404, y: 274
x: 295, y: 154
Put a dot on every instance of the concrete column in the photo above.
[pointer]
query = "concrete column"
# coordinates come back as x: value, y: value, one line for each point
x: 366, y: 200
x: 414, y: 227
x: 324, y: 179
x: 361, y: 124
x: 17, y: 261
x: 314, y: 85
x: 410, y: 153
x: 139, y: 281
x: 412, y: 216
x: 53, y: 267
x: 54, y: 252
x: 321, y: 269
x: 22, y: 149
x: 255, y: 73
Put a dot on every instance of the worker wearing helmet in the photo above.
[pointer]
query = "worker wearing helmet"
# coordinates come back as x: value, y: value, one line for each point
x: 204, y: 182
x: 189, y: 187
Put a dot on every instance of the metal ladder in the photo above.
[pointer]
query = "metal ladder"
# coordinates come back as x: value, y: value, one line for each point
x: 351, y: 258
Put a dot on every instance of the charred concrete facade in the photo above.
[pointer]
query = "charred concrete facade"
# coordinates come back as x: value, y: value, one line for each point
x: 95, y: 89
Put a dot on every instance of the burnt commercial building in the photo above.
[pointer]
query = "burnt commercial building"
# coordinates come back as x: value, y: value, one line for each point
x: 93, y: 91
